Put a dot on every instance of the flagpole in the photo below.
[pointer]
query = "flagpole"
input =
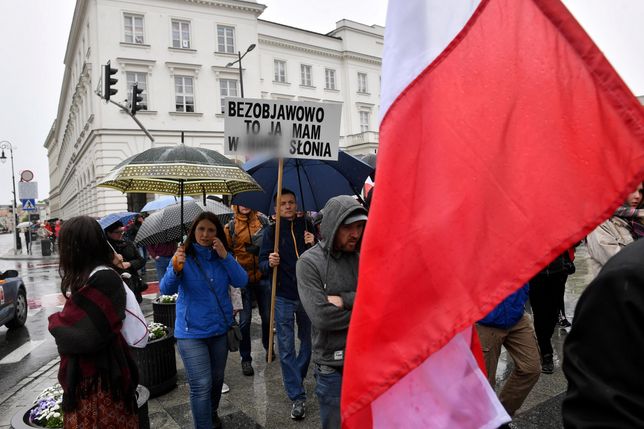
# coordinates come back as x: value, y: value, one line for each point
x: 276, y: 244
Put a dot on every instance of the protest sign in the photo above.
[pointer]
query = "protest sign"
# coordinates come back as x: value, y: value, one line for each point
x: 286, y: 129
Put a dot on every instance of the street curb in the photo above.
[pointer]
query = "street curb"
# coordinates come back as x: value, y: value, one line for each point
x: 10, y: 257
x: 28, y: 380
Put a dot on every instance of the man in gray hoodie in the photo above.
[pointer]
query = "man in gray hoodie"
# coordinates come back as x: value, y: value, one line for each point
x: 327, y: 278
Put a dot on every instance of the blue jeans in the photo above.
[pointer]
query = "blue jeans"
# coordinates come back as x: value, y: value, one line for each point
x: 205, y: 363
x: 262, y: 292
x: 161, y: 265
x: 328, y: 389
x: 144, y: 254
x: 294, y: 366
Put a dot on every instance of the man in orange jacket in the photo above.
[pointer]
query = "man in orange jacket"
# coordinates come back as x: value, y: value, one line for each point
x: 240, y: 233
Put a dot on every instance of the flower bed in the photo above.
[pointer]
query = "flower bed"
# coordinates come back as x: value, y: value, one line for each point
x: 47, y: 412
x: 164, y: 309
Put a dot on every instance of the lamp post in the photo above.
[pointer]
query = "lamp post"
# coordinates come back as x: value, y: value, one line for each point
x: 3, y: 158
x: 238, y: 60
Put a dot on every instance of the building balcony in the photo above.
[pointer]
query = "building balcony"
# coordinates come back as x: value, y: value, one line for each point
x: 361, y: 143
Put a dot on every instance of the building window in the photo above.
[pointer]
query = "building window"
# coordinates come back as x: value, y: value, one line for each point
x: 280, y: 71
x: 180, y: 34
x: 329, y: 76
x: 227, y: 88
x: 133, y: 25
x: 364, y: 121
x: 141, y: 79
x: 184, y: 94
x: 225, y: 39
x: 306, y: 72
x: 362, y: 83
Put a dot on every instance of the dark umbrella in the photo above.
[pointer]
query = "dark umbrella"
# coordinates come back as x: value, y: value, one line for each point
x: 179, y: 170
x: 313, y: 181
x: 165, y: 225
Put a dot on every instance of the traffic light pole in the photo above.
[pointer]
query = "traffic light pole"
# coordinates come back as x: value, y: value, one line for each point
x: 127, y: 110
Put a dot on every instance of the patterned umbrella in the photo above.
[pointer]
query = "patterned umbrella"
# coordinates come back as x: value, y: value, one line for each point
x: 179, y: 170
x: 165, y: 225
x: 164, y: 170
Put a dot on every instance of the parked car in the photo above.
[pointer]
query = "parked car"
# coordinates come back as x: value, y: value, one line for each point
x: 13, y: 300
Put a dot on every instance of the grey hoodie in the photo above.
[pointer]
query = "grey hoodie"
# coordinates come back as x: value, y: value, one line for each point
x: 322, y: 272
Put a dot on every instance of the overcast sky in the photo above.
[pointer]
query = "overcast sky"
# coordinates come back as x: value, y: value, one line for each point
x: 35, y: 34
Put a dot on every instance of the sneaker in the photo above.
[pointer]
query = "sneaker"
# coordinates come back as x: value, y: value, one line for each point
x: 298, y: 412
x: 216, y: 421
x: 247, y: 368
x: 547, y: 365
x: 225, y: 388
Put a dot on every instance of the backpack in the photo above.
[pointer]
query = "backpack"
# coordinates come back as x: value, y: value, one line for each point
x: 256, y: 239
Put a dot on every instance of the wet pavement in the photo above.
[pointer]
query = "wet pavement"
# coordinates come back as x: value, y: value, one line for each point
x: 260, y: 401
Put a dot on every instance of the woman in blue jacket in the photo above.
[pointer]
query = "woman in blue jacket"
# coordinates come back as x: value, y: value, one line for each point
x: 202, y: 269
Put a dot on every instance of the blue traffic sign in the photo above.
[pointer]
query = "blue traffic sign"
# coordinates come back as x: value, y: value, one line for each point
x: 29, y: 204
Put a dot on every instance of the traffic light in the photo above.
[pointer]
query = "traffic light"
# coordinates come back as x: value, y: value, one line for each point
x: 136, y: 99
x: 108, y: 81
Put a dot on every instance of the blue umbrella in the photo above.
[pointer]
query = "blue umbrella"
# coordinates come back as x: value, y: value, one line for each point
x: 123, y: 217
x: 162, y: 202
x: 314, y: 181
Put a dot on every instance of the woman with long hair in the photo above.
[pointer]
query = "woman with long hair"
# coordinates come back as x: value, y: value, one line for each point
x: 202, y: 268
x: 98, y: 376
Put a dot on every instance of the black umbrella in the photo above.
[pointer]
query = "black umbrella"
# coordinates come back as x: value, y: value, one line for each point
x: 164, y: 225
x: 314, y: 181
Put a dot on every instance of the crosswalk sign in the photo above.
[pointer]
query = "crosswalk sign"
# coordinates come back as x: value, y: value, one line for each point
x: 29, y: 204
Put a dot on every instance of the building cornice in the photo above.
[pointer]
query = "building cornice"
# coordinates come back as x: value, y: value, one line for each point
x: 135, y: 61
x: 316, y: 50
x: 296, y: 46
x: 356, y: 56
x: 245, y: 6
x: 325, y: 35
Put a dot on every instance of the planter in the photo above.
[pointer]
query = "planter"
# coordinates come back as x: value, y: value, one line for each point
x: 20, y: 420
x: 164, y: 312
x: 157, y: 365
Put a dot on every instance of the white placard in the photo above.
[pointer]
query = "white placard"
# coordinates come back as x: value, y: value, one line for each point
x: 28, y: 190
x: 289, y: 129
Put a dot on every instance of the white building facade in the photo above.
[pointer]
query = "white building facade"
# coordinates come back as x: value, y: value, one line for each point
x: 177, y: 51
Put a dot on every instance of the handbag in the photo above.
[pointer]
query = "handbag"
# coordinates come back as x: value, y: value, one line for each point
x: 233, y: 335
x: 134, y: 329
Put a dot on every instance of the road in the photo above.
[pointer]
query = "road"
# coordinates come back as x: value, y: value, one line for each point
x: 24, y: 350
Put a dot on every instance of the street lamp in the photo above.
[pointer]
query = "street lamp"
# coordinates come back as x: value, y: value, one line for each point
x: 3, y: 158
x: 238, y: 60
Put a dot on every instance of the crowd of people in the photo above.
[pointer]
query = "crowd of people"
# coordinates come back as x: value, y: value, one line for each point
x: 316, y: 269
x: 45, y: 230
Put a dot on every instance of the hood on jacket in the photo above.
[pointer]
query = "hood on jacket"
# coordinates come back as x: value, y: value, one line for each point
x: 250, y: 216
x: 335, y: 211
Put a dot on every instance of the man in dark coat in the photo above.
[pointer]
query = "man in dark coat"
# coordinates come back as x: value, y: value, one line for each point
x: 604, y: 352
x: 132, y: 261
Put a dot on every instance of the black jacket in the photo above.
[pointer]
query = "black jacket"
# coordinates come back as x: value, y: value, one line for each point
x: 290, y: 250
x: 130, y: 254
x: 604, y: 352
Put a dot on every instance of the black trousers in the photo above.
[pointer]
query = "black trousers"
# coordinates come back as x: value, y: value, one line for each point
x: 546, y: 294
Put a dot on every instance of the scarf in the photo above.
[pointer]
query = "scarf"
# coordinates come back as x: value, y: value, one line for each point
x: 92, y: 350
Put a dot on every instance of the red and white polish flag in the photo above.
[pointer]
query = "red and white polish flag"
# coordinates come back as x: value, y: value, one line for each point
x: 506, y: 137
